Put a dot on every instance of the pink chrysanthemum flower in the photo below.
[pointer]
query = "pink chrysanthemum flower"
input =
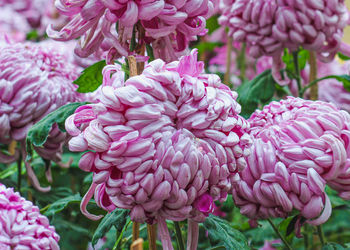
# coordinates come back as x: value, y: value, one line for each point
x: 52, y: 17
x: 162, y: 142
x: 35, y: 79
x: 21, y: 224
x: 13, y: 26
x: 299, y: 146
x: 269, y: 26
x: 32, y: 10
x: 169, y: 25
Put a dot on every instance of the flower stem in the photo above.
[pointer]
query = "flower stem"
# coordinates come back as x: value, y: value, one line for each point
x: 19, y: 173
x: 313, y: 76
x: 164, y: 234
x: 279, y: 234
x: 12, y: 147
x: 242, y: 62
x: 150, y: 52
x: 192, y: 234
x: 133, y: 39
x: 135, y: 231
x: 228, y: 61
x: 297, y: 71
x: 320, y: 234
x: 180, y: 241
x: 152, y: 234
x: 306, y: 237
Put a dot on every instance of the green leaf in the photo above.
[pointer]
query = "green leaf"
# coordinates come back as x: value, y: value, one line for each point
x: 260, y: 90
x: 333, y: 246
x: 91, y: 78
x: 291, y: 225
x: 61, y: 204
x: 38, y: 133
x: 303, y: 57
x: 222, y: 234
x: 32, y: 36
x: 212, y: 24
x: 10, y: 170
x: 55, y: 194
x: 150, y: 53
x: 335, y: 199
x: 343, y: 57
x: 117, y: 218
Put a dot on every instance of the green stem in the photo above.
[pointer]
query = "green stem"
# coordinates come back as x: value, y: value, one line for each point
x: 320, y: 234
x: 19, y: 173
x: 228, y: 62
x: 279, y: 234
x: 306, y: 237
x: 133, y: 39
x: 313, y: 83
x: 178, y: 234
x: 120, y: 236
x: 242, y: 62
x: 297, y: 71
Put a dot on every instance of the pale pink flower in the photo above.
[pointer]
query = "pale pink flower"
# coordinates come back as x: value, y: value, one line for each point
x: 21, y: 224
x: 299, y: 146
x: 269, y: 26
x: 331, y: 90
x: 13, y: 26
x: 35, y: 79
x: 32, y: 10
x: 169, y: 25
x: 299, y: 125
x: 52, y: 17
x: 161, y: 141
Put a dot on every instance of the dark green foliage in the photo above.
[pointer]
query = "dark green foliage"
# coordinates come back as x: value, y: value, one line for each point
x: 333, y: 246
x: 117, y: 218
x: 60, y: 204
x: 222, y: 234
x: 258, y: 91
x: 303, y: 57
x: 39, y: 132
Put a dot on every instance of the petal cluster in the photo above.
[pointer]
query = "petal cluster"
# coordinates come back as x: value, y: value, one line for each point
x: 162, y: 142
x: 32, y: 10
x: 299, y: 147
x: 35, y: 79
x: 21, y: 224
x: 269, y: 26
x: 169, y: 25
x: 13, y: 25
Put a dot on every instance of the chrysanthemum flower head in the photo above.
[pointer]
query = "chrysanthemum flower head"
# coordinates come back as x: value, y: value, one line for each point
x: 21, y: 224
x: 299, y: 146
x: 161, y: 143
